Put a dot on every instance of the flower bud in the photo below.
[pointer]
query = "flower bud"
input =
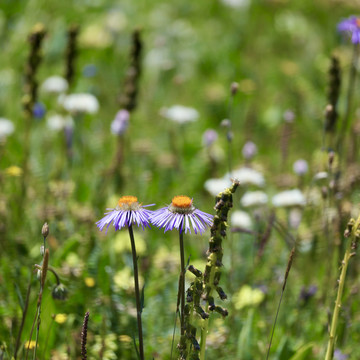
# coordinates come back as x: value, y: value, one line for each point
x: 45, y: 230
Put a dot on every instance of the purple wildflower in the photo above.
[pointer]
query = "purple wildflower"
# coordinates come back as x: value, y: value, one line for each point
x: 338, y: 355
x: 300, y: 167
x: 351, y: 26
x: 128, y: 211
x: 289, y: 116
x: 249, y: 150
x: 39, y: 110
x: 120, y: 123
x: 180, y: 214
x: 209, y: 137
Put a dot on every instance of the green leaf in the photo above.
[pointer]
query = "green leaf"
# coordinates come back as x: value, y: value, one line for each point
x: 303, y: 353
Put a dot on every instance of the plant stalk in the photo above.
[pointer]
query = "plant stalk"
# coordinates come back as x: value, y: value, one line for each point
x: 182, y: 282
x: 137, y: 292
x: 335, y: 318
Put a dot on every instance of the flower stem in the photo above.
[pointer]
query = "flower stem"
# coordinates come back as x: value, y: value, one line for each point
x: 182, y: 282
x: 204, y: 330
x: 334, y: 322
x: 137, y: 292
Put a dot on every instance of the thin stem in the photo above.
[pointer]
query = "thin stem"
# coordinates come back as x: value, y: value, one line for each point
x: 334, y: 322
x: 182, y: 282
x: 288, y: 267
x: 350, y: 92
x: 137, y: 292
x: 26, y: 306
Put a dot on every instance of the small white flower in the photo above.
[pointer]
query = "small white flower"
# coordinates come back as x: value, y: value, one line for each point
x: 241, y: 219
x: 6, y: 128
x: 254, y: 198
x: 180, y: 114
x: 236, y: 3
x: 323, y: 175
x: 54, y: 85
x: 247, y: 176
x: 215, y: 186
x: 57, y: 122
x: 289, y: 198
x: 81, y: 104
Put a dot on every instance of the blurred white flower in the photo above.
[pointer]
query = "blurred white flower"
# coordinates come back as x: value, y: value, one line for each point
x: 295, y: 217
x: 81, y: 103
x: 54, y: 85
x: 254, y: 198
x: 323, y: 175
x: 180, y: 114
x: 241, y: 219
x: 6, y: 128
x: 57, y: 122
x: 215, y: 186
x: 236, y: 3
x: 247, y: 176
x: 116, y: 21
x: 289, y: 198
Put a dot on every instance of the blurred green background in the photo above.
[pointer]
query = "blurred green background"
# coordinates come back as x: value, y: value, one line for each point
x: 279, y: 54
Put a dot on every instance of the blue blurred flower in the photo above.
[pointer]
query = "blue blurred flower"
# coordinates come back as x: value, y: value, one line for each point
x: 120, y: 123
x: 351, y: 26
x: 89, y: 70
x: 39, y: 110
x: 180, y: 214
x: 128, y: 211
x: 209, y: 137
x: 300, y: 167
x: 338, y: 355
x: 249, y: 150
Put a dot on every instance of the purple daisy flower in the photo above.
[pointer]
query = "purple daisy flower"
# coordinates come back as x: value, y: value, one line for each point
x: 351, y: 26
x: 128, y: 211
x: 180, y: 214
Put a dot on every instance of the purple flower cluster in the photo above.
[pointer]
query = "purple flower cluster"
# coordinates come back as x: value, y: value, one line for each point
x: 351, y: 26
x: 181, y: 214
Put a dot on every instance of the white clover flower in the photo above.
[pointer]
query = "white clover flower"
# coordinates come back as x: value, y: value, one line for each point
x: 180, y: 114
x: 254, y: 198
x: 289, y: 198
x: 241, y: 219
x: 57, y: 122
x: 215, y: 186
x: 54, y: 85
x: 6, y: 128
x: 81, y: 103
x: 247, y: 176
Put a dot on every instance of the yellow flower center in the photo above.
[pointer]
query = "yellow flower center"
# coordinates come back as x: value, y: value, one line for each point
x: 358, y: 22
x: 127, y: 201
x: 181, y: 201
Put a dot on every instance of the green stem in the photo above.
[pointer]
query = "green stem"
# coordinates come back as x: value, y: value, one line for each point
x: 335, y: 318
x: 182, y: 282
x: 137, y: 292
x: 26, y: 306
x: 204, y: 331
